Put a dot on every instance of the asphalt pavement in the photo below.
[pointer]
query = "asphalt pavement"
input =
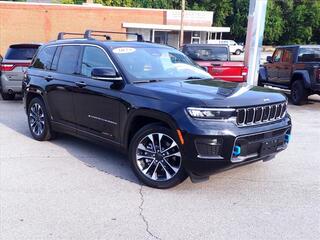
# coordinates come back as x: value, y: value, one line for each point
x: 72, y: 189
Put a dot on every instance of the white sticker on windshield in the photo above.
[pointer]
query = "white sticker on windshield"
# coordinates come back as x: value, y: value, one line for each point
x: 123, y: 50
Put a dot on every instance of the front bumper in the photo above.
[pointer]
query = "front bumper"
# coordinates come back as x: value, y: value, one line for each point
x: 209, y: 151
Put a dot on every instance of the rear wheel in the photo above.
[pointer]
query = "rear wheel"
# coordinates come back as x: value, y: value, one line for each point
x: 38, y: 120
x: 7, y: 96
x: 156, y: 157
x: 299, y: 94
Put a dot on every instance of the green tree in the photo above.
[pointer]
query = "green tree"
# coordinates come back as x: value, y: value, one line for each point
x: 239, y: 19
x: 274, y: 26
x: 287, y: 21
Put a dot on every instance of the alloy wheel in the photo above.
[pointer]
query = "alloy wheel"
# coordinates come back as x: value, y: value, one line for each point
x: 158, y: 157
x: 37, y: 119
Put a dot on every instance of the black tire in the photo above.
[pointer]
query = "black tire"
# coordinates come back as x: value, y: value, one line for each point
x: 299, y: 95
x: 169, y: 170
x: 238, y: 52
x: 41, y: 119
x: 7, y: 96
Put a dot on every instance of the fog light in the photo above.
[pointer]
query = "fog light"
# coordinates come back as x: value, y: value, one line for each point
x: 236, y: 151
x: 209, y: 147
x: 287, y: 138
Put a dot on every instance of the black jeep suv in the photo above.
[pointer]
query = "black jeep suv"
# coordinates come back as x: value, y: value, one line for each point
x: 153, y: 102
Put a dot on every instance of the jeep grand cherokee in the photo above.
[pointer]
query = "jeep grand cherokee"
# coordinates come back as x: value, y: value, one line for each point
x: 152, y: 101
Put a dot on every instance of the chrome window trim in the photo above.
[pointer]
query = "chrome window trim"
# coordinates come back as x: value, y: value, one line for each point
x: 86, y: 44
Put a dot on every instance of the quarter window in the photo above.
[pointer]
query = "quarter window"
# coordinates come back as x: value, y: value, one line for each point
x: 44, y: 58
x: 68, y: 60
x: 94, y: 57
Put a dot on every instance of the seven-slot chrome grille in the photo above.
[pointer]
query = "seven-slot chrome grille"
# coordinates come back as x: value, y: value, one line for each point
x: 261, y: 114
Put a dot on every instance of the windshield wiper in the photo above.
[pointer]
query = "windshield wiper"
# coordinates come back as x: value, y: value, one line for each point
x: 147, y: 81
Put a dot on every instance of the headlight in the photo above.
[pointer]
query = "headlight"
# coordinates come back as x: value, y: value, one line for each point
x: 212, y: 113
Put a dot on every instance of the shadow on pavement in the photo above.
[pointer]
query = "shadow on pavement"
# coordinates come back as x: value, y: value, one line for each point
x: 103, y: 158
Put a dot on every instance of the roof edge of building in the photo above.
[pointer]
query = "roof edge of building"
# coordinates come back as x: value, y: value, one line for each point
x: 90, y: 6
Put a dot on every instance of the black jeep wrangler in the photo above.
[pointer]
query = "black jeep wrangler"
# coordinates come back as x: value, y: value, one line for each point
x: 294, y: 67
x: 153, y: 102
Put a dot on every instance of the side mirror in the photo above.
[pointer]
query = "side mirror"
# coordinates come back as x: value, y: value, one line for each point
x: 105, y: 74
x: 269, y: 59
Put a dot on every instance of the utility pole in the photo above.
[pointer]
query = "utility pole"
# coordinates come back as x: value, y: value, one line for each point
x: 254, y: 38
x: 183, y: 6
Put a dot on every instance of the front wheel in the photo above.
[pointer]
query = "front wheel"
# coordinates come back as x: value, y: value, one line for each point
x: 38, y: 120
x: 156, y: 157
x: 238, y: 52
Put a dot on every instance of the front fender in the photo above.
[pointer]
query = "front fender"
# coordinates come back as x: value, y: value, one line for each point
x: 144, y: 112
x: 302, y: 75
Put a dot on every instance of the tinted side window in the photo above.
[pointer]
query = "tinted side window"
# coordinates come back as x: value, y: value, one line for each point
x: 277, y: 55
x: 44, y: 58
x: 55, y: 60
x: 93, y: 57
x: 68, y: 60
x: 309, y: 55
x: 287, y: 56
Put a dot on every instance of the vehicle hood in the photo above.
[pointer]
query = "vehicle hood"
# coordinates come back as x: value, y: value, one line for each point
x: 211, y: 93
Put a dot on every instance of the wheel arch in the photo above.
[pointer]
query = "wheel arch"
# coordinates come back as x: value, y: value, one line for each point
x: 302, y: 75
x: 32, y: 92
x: 142, y: 117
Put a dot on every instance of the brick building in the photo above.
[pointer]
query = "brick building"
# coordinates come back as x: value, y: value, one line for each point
x: 41, y: 22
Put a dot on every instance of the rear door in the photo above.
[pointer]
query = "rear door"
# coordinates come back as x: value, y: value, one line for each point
x: 96, y: 102
x: 273, y: 68
x: 61, y: 84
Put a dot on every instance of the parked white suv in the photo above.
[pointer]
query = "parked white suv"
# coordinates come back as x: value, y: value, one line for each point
x: 234, y: 47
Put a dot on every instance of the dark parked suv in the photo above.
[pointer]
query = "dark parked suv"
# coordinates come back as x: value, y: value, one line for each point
x: 151, y: 101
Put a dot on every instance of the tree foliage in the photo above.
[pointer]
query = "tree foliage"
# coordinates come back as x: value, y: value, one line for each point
x: 287, y: 21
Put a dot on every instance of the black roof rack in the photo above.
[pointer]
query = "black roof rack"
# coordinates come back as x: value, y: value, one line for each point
x: 89, y: 33
x: 62, y: 34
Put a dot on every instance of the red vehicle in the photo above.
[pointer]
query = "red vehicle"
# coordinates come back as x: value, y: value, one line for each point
x: 216, y: 60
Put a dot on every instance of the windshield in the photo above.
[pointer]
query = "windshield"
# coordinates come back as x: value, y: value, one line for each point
x: 156, y: 63
x: 207, y: 53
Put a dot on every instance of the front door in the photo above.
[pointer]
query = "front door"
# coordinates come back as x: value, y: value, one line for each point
x: 273, y: 68
x: 96, y: 103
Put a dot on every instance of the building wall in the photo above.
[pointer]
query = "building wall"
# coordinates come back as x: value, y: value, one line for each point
x: 29, y: 22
